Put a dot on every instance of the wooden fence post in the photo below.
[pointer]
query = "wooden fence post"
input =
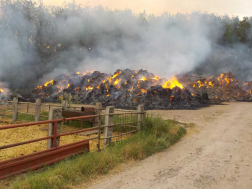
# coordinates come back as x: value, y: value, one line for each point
x: 15, y: 109
x: 108, y: 121
x: 140, y: 111
x: 55, y: 113
x: 98, y: 110
x: 97, y: 122
x: 64, y: 104
x: 27, y: 108
x: 37, y: 109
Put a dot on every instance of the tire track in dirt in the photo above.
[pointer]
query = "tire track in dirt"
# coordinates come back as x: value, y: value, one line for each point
x: 216, y: 155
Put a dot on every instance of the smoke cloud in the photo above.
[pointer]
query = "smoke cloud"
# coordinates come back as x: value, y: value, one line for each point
x: 38, y: 43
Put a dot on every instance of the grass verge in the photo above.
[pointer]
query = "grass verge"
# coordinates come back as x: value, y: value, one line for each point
x: 155, y: 136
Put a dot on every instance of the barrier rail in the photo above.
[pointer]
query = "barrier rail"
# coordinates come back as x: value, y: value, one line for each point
x: 56, y: 152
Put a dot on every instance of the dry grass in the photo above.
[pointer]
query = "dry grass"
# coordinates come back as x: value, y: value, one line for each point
x: 11, y: 136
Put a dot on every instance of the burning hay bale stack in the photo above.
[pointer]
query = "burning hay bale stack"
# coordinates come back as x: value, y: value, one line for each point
x: 129, y: 88
x: 224, y: 87
x: 124, y: 89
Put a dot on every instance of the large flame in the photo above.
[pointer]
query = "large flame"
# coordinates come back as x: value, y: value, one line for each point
x: 173, y: 82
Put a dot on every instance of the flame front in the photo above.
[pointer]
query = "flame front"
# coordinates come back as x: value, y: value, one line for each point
x: 116, y: 75
x: 172, y: 83
x: 143, y: 83
x: 49, y: 82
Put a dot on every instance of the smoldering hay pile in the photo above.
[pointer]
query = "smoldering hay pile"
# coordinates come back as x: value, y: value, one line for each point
x: 38, y: 42
x: 129, y: 88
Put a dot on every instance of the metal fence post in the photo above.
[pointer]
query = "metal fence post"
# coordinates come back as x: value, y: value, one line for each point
x: 108, y: 122
x: 37, y: 109
x: 54, y: 128
x: 140, y: 111
x: 15, y: 109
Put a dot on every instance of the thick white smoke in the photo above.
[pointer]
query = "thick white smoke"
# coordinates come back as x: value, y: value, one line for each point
x: 38, y: 43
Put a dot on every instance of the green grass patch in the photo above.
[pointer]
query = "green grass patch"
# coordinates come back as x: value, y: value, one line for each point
x: 22, y: 116
x: 25, y: 117
x: 155, y: 136
x: 44, y: 116
x: 77, y: 124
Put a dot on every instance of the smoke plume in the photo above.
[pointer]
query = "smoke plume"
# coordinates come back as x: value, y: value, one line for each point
x: 39, y: 42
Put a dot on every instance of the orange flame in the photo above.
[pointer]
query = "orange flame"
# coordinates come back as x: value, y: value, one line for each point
x: 89, y: 88
x: 172, y: 83
x: 227, y: 80
x: 155, y: 78
x: 117, y: 74
x: 210, y: 83
x: 49, y: 82
x: 171, y: 97
x: 117, y: 81
x: 143, y: 78
x: 144, y: 91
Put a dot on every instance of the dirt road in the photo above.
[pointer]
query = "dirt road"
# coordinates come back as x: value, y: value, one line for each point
x: 217, y: 155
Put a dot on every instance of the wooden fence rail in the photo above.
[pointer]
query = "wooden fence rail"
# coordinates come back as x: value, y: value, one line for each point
x: 35, y: 110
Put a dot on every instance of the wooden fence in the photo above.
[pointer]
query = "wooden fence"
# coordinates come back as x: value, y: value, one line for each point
x: 27, y: 111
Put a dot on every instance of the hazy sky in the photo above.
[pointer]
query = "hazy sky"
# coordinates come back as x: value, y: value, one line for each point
x: 221, y: 7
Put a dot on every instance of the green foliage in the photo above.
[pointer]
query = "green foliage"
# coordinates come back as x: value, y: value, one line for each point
x: 68, y: 97
x: 243, y: 30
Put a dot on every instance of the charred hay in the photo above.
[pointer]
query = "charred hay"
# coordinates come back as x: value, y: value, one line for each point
x: 129, y: 88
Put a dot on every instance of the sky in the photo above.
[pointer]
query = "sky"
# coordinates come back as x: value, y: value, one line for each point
x: 239, y: 8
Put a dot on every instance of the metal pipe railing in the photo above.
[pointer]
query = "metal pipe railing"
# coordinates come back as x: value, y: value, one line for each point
x: 55, y: 135
x: 47, y: 121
